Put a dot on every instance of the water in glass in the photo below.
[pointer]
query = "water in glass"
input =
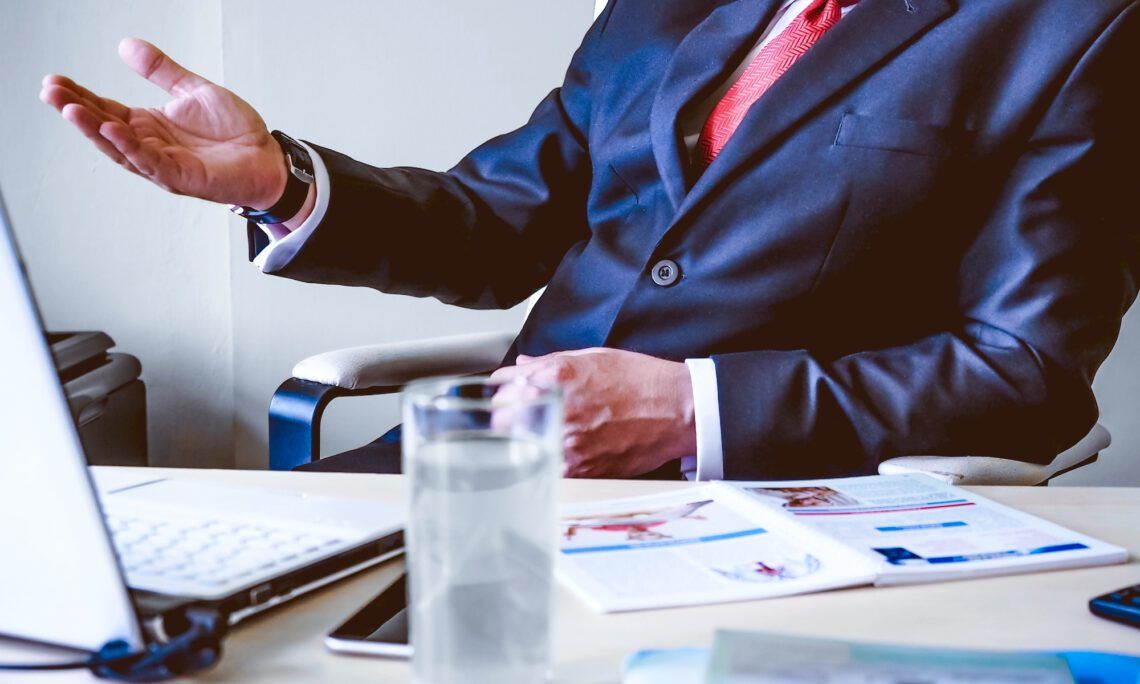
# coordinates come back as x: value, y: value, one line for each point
x: 481, y: 549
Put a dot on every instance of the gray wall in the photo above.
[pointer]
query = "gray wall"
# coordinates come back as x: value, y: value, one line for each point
x: 388, y: 81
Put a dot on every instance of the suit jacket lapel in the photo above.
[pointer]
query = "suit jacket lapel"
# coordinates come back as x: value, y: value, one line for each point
x: 874, y: 30
x: 707, y: 55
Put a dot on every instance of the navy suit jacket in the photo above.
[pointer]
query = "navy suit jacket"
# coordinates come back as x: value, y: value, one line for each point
x: 920, y: 240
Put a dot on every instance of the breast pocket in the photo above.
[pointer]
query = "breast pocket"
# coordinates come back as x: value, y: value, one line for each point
x: 901, y: 135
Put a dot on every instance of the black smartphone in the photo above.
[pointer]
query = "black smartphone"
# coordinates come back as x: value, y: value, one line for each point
x: 1122, y: 605
x: 379, y: 628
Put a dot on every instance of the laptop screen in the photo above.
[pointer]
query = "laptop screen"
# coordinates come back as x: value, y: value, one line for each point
x: 60, y: 581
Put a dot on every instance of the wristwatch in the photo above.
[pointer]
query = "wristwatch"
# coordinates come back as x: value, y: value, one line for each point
x: 297, y: 183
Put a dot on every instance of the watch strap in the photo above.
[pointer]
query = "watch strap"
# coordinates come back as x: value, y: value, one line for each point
x: 297, y: 182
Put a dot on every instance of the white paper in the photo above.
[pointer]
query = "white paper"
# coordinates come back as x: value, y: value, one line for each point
x: 695, y: 546
x: 920, y: 529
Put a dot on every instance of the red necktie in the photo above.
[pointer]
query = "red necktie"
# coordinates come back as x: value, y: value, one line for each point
x: 769, y: 64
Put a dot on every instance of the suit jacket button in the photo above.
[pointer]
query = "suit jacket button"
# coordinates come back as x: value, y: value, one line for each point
x: 665, y: 272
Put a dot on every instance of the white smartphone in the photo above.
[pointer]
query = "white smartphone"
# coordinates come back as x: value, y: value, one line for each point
x: 380, y: 628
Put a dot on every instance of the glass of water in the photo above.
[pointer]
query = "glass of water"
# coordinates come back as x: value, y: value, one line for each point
x: 482, y: 461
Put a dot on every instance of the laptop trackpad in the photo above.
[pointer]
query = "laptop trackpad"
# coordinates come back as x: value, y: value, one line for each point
x: 111, y: 480
x: 231, y: 501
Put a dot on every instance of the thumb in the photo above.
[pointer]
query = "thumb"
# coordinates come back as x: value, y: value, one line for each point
x: 155, y: 66
x: 523, y: 359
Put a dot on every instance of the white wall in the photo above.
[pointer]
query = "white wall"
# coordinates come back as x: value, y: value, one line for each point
x: 388, y: 81
x: 105, y: 250
x: 1117, y: 388
x: 391, y: 83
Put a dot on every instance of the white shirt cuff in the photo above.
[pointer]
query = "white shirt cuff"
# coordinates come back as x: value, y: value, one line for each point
x: 706, y: 407
x: 283, y: 245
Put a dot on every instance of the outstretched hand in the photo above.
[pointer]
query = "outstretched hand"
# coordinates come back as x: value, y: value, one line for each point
x: 205, y: 142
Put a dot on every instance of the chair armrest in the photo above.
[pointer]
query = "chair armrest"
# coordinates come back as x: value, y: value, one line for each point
x: 296, y: 408
x: 984, y: 470
x: 398, y: 363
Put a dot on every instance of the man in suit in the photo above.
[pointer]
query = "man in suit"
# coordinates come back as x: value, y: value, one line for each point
x: 790, y: 238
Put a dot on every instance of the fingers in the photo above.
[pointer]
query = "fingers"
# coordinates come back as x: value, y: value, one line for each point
x: 86, y: 111
x: 525, y: 366
x: 82, y: 118
x: 155, y: 66
x: 150, y: 163
x: 60, y: 90
x: 583, y: 352
x: 509, y: 373
x: 88, y: 124
x: 523, y: 359
x: 60, y: 98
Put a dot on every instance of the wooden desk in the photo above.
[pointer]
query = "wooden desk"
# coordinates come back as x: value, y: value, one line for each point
x: 1041, y: 611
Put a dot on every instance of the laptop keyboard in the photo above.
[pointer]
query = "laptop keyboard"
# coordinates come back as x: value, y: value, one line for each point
x: 203, y: 556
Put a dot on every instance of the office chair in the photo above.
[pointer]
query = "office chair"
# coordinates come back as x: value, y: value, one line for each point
x: 296, y: 408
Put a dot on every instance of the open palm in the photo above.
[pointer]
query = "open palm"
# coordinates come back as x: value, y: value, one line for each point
x: 206, y: 142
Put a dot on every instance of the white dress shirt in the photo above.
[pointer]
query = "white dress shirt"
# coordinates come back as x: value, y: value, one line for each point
x: 708, y: 464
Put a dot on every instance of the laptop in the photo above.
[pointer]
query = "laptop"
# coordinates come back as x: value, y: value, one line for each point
x: 92, y: 557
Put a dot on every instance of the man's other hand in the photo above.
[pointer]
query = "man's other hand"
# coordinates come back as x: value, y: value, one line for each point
x: 206, y: 142
x: 626, y: 413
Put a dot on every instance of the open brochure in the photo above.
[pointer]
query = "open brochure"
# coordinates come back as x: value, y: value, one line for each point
x: 732, y: 541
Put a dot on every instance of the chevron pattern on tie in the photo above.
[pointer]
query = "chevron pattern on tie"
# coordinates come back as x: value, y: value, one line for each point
x: 769, y: 64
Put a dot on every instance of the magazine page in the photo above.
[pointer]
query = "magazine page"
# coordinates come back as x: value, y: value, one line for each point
x: 689, y: 547
x: 921, y: 529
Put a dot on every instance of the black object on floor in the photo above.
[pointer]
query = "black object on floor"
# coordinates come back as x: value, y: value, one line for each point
x: 106, y: 396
